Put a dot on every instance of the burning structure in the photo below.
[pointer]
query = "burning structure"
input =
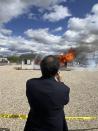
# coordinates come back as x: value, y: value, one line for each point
x: 67, y: 57
x: 34, y: 62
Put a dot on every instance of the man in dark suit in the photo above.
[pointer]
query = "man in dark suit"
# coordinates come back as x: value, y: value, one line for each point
x: 47, y: 96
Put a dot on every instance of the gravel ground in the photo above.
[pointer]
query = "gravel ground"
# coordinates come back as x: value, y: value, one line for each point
x: 83, y: 97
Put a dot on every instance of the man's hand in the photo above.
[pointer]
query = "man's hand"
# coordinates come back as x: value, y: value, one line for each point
x: 58, y: 77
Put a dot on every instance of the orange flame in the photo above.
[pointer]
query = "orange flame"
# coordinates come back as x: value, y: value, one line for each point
x: 68, y: 57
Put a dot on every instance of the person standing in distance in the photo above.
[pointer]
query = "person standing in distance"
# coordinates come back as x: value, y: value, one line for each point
x: 47, y: 96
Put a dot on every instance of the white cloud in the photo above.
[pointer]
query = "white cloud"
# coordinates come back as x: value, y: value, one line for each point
x: 84, y: 29
x: 45, y: 3
x: 31, y: 16
x: 40, y: 41
x: 5, y: 31
x: 95, y: 9
x: 76, y: 24
x: 57, y: 29
x: 43, y: 36
x: 92, y: 23
x: 5, y: 51
x: 90, y: 38
x: 80, y: 30
x: 58, y: 12
x: 10, y: 9
x: 73, y: 36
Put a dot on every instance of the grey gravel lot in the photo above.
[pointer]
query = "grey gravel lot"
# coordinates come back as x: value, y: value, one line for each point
x: 83, y: 97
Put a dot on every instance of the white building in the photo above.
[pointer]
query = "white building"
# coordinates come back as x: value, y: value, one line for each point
x: 4, y: 60
x: 28, y: 64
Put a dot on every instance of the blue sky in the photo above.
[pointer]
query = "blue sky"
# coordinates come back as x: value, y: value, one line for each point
x: 78, y: 8
x: 47, y: 26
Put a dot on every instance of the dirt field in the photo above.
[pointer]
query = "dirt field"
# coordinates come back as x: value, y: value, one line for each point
x: 83, y: 97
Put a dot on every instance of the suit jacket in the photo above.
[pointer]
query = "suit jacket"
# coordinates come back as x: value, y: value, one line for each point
x: 46, y: 98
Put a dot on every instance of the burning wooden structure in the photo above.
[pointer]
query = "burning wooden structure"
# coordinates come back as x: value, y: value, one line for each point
x: 67, y: 57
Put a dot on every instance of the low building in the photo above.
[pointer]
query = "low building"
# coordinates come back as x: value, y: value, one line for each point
x: 28, y: 64
x: 3, y: 60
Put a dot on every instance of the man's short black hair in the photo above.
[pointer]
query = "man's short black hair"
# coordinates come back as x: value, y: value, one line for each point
x: 49, y: 66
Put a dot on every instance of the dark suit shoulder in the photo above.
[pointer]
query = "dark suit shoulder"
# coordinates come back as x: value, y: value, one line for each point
x: 63, y: 86
x: 31, y: 80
